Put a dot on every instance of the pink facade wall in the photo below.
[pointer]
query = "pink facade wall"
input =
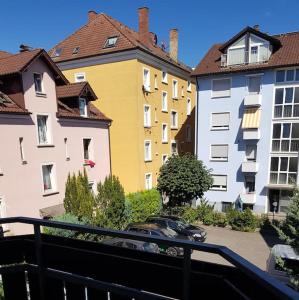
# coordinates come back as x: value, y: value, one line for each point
x: 21, y: 185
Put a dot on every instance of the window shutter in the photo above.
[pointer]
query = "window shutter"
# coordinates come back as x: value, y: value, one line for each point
x: 219, y: 151
x: 254, y: 84
x: 219, y: 180
x: 220, y: 120
x: 221, y: 88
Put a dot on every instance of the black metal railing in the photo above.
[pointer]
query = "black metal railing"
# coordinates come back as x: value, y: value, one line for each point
x: 269, y: 284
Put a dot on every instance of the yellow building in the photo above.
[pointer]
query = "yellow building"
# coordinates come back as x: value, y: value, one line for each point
x: 146, y: 91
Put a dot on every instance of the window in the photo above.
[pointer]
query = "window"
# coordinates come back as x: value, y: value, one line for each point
x: 189, y: 86
x: 82, y: 107
x: 164, y: 101
x: 254, y: 54
x: 56, y: 52
x: 38, y: 84
x: 48, y: 178
x: 182, y: 92
x: 174, y: 119
x: 156, y: 82
x: 67, y: 157
x: 219, y: 182
x: 147, y: 151
x: 21, y: 144
x: 147, y: 116
x: 249, y: 183
x: 285, y: 137
x: 188, y: 133
x: 111, y: 42
x: 221, y: 88
x: 226, y: 206
x: 219, y: 152
x: 174, y: 89
x: 189, y: 107
x: 174, y: 148
x: 164, y: 158
x: 87, y: 149
x: 164, y: 133
x: 146, y: 80
x: 283, y: 170
x: 164, y: 76
x: 250, y: 152
x: 254, y: 85
x: 76, y: 50
x: 287, y: 75
x: 148, y: 181
x: 79, y: 77
x: 286, y: 102
x: 220, y: 121
x: 43, y: 129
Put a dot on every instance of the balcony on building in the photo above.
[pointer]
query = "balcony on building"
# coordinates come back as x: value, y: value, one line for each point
x: 253, y: 100
x: 251, y: 134
x: 251, y: 123
x: 250, y: 167
x: 248, y: 198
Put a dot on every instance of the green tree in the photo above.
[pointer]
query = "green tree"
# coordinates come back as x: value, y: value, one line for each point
x: 110, y: 204
x: 183, y: 178
x: 289, y: 233
x: 79, y: 200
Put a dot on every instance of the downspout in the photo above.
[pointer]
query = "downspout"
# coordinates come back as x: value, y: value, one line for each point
x: 196, y: 119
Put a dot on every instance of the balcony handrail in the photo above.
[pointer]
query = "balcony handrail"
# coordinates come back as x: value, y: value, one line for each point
x: 268, y: 282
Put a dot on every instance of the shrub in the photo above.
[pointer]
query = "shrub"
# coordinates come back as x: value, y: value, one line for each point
x: 219, y: 219
x: 204, y: 209
x: 141, y: 205
x: 243, y: 221
x: 1, y: 291
x: 189, y: 214
x: 208, y: 219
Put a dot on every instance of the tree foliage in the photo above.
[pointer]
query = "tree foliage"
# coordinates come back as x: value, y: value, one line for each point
x: 183, y: 178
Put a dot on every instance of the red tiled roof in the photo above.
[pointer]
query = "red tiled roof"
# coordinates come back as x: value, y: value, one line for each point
x: 285, y: 56
x: 74, y: 90
x: 91, y: 39
x: 7, y: 105
x: 4, y: 54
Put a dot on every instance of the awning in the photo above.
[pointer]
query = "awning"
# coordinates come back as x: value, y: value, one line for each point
x: 52, y: 211
x: 251, y: 118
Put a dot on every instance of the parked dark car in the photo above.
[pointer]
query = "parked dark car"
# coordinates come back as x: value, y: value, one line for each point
x: 132, y: 244
x: 180, y: 226
x: 157, y: 230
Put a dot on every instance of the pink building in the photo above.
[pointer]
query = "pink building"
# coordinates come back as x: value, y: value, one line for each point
x: 48, y: 129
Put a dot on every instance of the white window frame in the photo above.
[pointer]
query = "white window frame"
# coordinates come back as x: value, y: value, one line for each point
x: 146, y: 81
x: 80, y: 74
x: 164, y: 140
x: 22, y: 151
x: 174, y: 126
x: 149, y: 124
x: 48, y: 133
x: 42, y: 92
x: 248, y: 158
x: 165, y: 109
x: 150, y: 185
x: 188, y: 133
x: 285, y: 81
x: 248, y: 80
x: 52, y: 178
x: 149, y: 158
x: 66, y: 148
x: 189, y: 106
x: 221, y: 188
x: 164, y: 158
x: 85, y: 107
x: 90, y: 149
x: 224, y: 158
x: 175, y: 89
x: 213, y: 128
x: 219, y: 79
x: 176, y: 143
x: 189, y: 86
x: 164, y: 78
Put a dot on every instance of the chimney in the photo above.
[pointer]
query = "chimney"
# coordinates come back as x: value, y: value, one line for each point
x: 144, y: 35
x: 91, y: 15
x: 173, y: 44
x: 256, y: 27
x: 24, y: 48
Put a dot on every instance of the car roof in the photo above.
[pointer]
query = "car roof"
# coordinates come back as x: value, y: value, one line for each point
x: 151, y: 226
x: 173, y: 218
x: 124, y: 240
x: 285, y: 251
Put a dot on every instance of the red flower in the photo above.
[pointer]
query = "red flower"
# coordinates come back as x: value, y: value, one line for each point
x: 90, y: 163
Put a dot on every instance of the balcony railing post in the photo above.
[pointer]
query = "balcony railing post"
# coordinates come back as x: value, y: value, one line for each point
x: 39, y: 260
x: 186, y: 273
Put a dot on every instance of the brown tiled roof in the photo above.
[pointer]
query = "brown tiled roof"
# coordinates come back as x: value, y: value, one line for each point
x: 94, y: 114
x: 4, y: 54
x: 91, y: 39
x: 74, y: 90
x: 285, y: 56
x: 7, y: 105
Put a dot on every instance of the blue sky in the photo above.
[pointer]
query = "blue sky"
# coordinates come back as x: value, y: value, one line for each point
x: 42, y: 24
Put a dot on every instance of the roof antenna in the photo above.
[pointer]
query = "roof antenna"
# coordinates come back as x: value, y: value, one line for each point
x: 24, y: 48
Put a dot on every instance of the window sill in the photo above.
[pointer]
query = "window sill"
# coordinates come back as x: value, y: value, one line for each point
x: 164, y: 82
x: 50, y: 193
x: 220, y: 97
x: 189, y: 91
x: 174, y: 128
x: 218, y: 190
x: 147, y: 126
x: 164, y: 142
x: 165, y: 111
x: 24, y: 162
x: 175, y: 98
x: 219, y: 129
x: 218, y: 160
x: 42, y: 95
x: 45, y: 146
x: 147, y: 160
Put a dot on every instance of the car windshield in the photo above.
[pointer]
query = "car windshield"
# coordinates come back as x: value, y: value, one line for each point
x: 181, y: 224
x: 168, y: 232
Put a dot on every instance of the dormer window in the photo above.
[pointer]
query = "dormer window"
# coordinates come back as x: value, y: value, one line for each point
x: 110, y: 42
x: 83, y: 107
x: 76, y: 50
x: 56, y: 52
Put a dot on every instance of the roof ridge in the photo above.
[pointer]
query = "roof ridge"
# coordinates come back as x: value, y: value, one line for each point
x: 19, y: 53
x: 285, y: 33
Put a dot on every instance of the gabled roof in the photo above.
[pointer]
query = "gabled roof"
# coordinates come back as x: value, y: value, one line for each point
x: 75, y: 90
x: 17, y: 63
x: 7, y: 105
x: 92, y: 37
x: 287, y: 55
x: 4, y: 54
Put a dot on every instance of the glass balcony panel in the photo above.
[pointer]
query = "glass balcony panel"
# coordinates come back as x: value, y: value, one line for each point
x: 292, y: 178
x: 275, y: 145
x: 278, y: 112
x: 287, y: 112
x: 295, y: 145
x: 282, y: 178
x: 273, y: 178
x: 285, y: 145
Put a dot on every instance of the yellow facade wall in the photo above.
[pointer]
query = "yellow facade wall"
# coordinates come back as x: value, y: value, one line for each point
x: 118, y: 86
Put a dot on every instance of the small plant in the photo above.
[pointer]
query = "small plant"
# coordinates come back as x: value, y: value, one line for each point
x: 1, y: 290
x: 219, y: 219
x: 204, y: 209
x: 208, y: 219
x: 190, y: 214
x: 243, y: 221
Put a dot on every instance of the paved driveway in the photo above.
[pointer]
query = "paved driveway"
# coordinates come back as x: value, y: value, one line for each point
x: 254, y: 246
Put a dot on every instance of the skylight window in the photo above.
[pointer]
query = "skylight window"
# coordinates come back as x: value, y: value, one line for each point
x: 76, y: 50
x: 110, y: 42
x: 57, y: 52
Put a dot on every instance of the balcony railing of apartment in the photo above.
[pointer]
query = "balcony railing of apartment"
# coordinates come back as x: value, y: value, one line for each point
x: 41, y: 266
x: 242, y: 57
